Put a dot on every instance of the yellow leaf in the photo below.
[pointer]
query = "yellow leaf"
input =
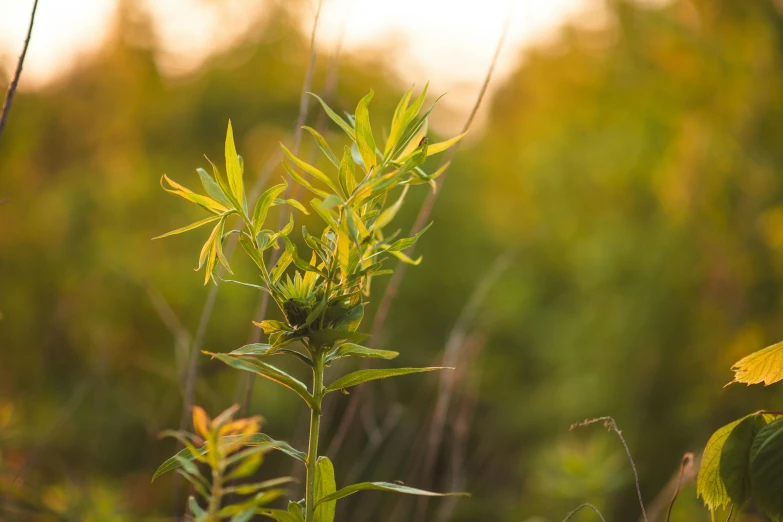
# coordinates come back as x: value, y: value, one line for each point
x: 443, y: 145
x: 763, y: 366
x: 201, y: 421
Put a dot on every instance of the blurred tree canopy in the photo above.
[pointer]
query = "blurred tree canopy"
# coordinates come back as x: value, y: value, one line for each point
x: 635, y: 167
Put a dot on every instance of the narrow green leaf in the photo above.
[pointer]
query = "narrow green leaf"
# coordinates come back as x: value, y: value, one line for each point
x: 390, y: 212
x: 252, y: 349
x: 196, y: 481
x: 245, y: 516
x: 306, y: 184
x: 270, y: 326
x: 189, y: 227
x: 190, y: 454
x: 249, y: 489
x: 246, y: 467
x: 212, y: 188
x: 219, y: 247
x: 294, y: 203
x: 386, y: 486
x: 285, y: 259
x: 347, y: 175
x: 262, y: 438
x: 257, y: 440
x: 204, y: 202
x: 261, y: 499
x: 225, y: 188
x: 300, y: 263
x: 255, y: 255
x: 323, y: 145
x: 364, y: 137
x: 263, y: 205
x: 414, y: 132
x: 320, y: 176
x: 324, y: 486
x: 362, y: 376
x: 356, y: 350
x: 344, y: 252
x: 404, y: 243
x: 326, y: 215
x: 405, y: 259
x: 397, y: 126
x: 435, y: 148
x: 335, y: 117
x: 234, y: 168
x: 268, y: 371
x: 194, y: 507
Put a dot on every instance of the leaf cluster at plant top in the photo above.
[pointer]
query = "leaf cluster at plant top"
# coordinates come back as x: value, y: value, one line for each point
x: 744, y: 459
x: 321, y: 293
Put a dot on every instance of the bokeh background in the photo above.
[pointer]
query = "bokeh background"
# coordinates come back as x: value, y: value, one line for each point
x: 627, y: 163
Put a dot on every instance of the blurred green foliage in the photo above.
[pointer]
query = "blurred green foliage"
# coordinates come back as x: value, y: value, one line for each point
x: 637, y: 167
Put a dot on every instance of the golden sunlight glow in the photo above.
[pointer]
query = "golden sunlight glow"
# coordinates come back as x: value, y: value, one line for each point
x: 448, y: 41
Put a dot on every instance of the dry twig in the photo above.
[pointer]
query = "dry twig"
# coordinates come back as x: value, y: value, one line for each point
x: 578, y: 509
x: 394, y: 283
x: 611, y: 425
x: 9, y: 96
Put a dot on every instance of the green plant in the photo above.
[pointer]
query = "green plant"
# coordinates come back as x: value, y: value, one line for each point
x: 744, y: 459
x: 321, y: 294
x: 232, y: 450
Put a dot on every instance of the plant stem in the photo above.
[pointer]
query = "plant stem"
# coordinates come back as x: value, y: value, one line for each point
x: 217, y: 494
x: 315, y: 425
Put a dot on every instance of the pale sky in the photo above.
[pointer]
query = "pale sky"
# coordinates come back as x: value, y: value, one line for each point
x: 447, y: 41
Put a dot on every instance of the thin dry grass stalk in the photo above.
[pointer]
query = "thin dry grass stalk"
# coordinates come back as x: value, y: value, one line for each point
x: 611, y: 425
x: 9, y: 96
x: 452, y: 354
x: 424, y: 213
x: 580, y: 508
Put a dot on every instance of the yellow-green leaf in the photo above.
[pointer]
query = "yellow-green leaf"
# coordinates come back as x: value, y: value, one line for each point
x: 323, y: 145
x: 320, y: 176
x: 763, y: 366
x: 397, y: 126
x: 364, y: 137
x: 347, y: 176
x: 435, y: 148
x: 386, y: 486
x: 306, y: 184
x: 324, y: 486
x: 335, y: 117
x: 724, y: 477
x: 263, y: 205
x: 234, y: 167
x: 362, y: 376
x: 189, y: 227
x: 204, y: 202
x: 267, y: 370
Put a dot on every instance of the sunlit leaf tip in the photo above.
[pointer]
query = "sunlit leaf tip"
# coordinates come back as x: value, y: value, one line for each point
x: 764, y: 366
